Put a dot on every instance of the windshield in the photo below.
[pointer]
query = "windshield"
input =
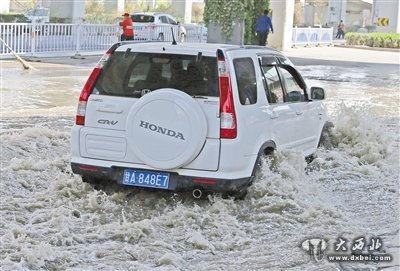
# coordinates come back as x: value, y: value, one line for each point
x: 141, y: 18
x: 131, y: 74
x: 37, y: 12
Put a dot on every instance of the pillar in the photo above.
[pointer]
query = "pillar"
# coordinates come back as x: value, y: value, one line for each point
x: 111, y: 6
x: 182, y: 9
x: 72, y: 11
x: 282, y: 20
x: 389, y: 10
x: 4, y: 6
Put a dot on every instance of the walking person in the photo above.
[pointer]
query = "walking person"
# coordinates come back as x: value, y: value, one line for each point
x: 263, y: 26
x: 127, y: 27
x: 340, y: 31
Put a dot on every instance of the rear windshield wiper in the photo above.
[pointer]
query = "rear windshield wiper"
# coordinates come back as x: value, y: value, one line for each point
x: 199, y: 97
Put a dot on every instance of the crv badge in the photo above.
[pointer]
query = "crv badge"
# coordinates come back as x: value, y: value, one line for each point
x: 161, y: 130
x: 108, y: 122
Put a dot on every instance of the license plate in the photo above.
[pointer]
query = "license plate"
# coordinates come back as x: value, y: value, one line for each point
x: 146, y: 178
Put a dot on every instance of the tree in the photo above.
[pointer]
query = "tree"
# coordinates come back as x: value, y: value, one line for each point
x: 226, y: 12
x: 255, y: 8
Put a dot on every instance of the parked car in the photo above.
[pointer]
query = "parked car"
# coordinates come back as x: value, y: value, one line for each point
x: 157, y: 26
x: 191, y: 116
x: 38, y: 15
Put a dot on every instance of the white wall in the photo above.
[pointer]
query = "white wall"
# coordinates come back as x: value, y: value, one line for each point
x: 309, y: 12
x: 182, y: 9
x: 282, y: 21
x: 4, y: 6
x: 387, y: 9
x: 72, y: 10
x: 116, y: 6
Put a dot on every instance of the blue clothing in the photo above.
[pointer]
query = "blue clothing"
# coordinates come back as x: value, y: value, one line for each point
x: 264, y: 24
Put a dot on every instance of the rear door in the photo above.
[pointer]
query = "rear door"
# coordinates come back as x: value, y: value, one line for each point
x: 126, y: 78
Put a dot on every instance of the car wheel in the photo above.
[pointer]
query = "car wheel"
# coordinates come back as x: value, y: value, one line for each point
x: 91, y: 180
x: 236, y: 195
x: 326, y: 135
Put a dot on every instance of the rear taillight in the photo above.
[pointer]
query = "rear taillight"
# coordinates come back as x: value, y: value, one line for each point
x: 204, y: 181
x: 89, y: 168
x: 87, y: 89
x: 227, y: 108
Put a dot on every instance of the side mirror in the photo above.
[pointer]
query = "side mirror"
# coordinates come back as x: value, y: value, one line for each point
x: 317, y: 93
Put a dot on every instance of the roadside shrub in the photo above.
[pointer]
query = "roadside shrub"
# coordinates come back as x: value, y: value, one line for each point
x: 13, y: 18
x: 384, y: 40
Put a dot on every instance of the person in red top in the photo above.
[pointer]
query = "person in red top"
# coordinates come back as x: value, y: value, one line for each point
x: 127, y: 27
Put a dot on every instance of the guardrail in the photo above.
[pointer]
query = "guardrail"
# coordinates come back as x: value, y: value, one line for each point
x: 55, y: 39
x: 312, y: 36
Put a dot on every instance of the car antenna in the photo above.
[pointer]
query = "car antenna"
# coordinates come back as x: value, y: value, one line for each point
x: 173, y: 36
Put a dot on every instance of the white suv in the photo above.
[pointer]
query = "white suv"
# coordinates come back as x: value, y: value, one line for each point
x: 191, y: 116
x: 157, y: 26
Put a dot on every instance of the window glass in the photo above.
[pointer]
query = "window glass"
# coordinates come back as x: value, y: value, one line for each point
x: 164, y: 19
x: 274, y: 89
x: 171, y: 21
x: 140, y: 18
x: 285, y: 60
x: 246, y: 80
x: 128, y: 74
x: 293, y: 90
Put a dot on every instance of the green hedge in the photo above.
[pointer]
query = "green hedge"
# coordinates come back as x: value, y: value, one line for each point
x: 13, y: 18
x: 384, y: 40
x: 225, y: 12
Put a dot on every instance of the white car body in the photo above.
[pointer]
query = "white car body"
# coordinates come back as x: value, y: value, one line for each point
x: 157, y: 26
x: 204, y: 141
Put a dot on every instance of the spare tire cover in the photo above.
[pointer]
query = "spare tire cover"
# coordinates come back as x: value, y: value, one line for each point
x: 166, y: 128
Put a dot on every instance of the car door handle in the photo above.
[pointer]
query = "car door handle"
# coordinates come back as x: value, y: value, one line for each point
x: 109, y: 109
x: 273, y: 115
x: 299, y: 113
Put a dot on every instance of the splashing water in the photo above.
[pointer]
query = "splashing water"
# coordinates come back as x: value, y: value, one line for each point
x: 51, y: 220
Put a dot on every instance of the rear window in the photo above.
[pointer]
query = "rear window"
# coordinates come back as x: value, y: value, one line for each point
x: 138, y: 18
x: 131, y: 74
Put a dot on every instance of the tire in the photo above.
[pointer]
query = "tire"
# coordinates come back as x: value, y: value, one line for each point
x: 91, y: 180
x: 267, y: 153
x: 326, y: 134
x: 237, y: 195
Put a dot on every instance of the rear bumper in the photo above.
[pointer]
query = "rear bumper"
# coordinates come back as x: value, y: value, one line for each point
x: 176, y: 182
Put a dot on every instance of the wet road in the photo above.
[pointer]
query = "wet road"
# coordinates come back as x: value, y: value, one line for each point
x: 50, y: 220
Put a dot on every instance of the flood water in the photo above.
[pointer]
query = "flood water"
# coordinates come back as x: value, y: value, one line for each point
x: 50, y: 220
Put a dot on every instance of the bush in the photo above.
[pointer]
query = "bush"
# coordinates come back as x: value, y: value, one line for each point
x: 384, y: 40
x: 226, y: 12
x: 13, y: 18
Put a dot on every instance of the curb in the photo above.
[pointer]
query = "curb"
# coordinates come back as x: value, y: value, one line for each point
x: 368, y: 48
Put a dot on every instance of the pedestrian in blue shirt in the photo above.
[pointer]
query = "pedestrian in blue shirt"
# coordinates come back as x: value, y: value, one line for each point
x: 263, y: 26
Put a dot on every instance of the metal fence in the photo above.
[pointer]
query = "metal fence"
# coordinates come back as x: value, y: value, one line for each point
x: 67, y: 39
x: 51, y: 39
x: 312, y: 36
